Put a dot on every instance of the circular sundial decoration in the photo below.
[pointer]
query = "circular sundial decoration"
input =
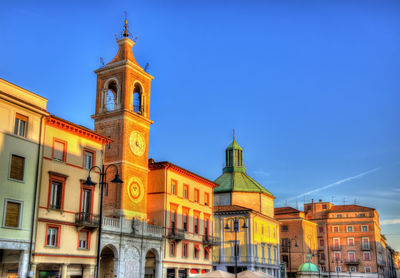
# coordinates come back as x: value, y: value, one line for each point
x: 135, y: 189
x: 137, y: 143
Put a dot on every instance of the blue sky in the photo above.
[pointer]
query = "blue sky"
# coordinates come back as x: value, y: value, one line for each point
x: 311, y: 87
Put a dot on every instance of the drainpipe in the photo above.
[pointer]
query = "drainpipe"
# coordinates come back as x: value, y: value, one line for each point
x: 37, y: 178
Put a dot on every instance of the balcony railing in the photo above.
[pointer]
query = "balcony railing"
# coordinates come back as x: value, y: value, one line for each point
x: 132, y: 226
x: 87, y: 220
x: 352, y: 262
x: 211, y: 240
x: 175, y: 234
x: 336, y: 248
x: 365, y: 247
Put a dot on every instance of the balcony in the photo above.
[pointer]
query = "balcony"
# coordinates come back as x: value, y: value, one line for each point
x: 175, y: 234
x: 86, y: 220
x: 336, y: 248
x: 352, y: 262
x: 211, y: 240
x: 365, y: 247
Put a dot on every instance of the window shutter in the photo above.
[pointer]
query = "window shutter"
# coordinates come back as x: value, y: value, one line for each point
x: 12, y: 214
x: 59, y: 150
x: 17, y: 167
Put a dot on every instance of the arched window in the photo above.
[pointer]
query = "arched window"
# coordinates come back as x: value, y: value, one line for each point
x: 137, y: 99
x: 110, y: 100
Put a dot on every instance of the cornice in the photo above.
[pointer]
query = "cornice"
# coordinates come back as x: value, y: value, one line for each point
x: 121, y: 64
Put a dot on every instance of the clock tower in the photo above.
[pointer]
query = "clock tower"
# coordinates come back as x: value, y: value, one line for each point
x: 123, y: 115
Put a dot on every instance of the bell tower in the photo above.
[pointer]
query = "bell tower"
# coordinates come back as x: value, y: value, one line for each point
x: 123, y: 115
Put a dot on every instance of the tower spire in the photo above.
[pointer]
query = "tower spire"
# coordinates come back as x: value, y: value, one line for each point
x: 126, y: 32
x: 234, y: 135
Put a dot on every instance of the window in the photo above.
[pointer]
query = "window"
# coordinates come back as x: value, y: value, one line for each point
x: 338, y: 268
x: 364, y: 228
x: 110, y: 96
x: 86, y: 202
x: 196, y: 252
x: 185, y: 221
x: 321, y: 242
x: 88, y: 157
x: 335, y: 229
x: 323, y: 206
x: 185, y: 191
x: 59, y: 150
x: 336, y: 243
x: 184, y: 250
x: 83, y: 240
x: 353, y: 269
x: 17, y: 167
x: 206, y: 253
x: 173, y: 187
x: 350, y: 241
x: 284, y: 228
x: 172, y: 247
x: 137, y: 99
x: 367, y: 269
x: 206, y: 224
x: 173, y: 219
x: 53, y: 236
x: 21, y: 124
x: 365, y: 243
x: 366, y: 256
x: 339, y: 216
x: 351, y: 256
x: 350, y: 228
x: 321, y: 229
x: 12, y: 214
x: 196, y: 224
x: 196, y: 195
x: 206, y: 199
x: 337, y: 256
x: 56, y: 194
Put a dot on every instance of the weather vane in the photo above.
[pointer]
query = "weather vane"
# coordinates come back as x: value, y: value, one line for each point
x: 126, y: 33
x: 234, y: 134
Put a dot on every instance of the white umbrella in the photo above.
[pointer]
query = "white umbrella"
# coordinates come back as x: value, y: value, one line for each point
x: 216, y: 274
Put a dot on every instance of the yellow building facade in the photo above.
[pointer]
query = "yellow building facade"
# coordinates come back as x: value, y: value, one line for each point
x: 238, y: 198
x: 182, y: 202
x: 67, y: 228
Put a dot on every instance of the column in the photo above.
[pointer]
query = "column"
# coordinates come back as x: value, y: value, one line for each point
x: 88, y: 271
x: 177, y: 272
x: 23, y: 263
x: 158, y: 268
x: 33, y: 270
x: 250, y: 249
x: 116, y: 267
x: 222, y: 249
x: 64, y: 271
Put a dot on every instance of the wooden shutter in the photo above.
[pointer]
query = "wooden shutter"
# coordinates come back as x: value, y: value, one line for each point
x: 58, y: 150
x: 12, y: 214
x: 17, y: 167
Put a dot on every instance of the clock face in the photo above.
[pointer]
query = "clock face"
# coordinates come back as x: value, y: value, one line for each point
x: 137, y: 143
x: 135, y: 190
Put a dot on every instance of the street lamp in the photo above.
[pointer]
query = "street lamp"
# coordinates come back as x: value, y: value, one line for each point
x: 337, y: 261
x: 289, y: 245
x: 236, y: 230
x: 102, y: 183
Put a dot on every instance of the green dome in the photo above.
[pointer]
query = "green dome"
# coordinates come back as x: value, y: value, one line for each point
x: 308, y: 266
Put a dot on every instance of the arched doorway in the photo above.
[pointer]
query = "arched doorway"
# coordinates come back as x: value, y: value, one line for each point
x: 106, y: 263
x: 150, y: 265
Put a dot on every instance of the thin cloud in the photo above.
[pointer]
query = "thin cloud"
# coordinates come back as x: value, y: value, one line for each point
x: 335, y: 183
x: 390, y: 221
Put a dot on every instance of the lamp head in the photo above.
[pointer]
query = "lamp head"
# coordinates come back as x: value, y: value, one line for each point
x: 227, y: 227
x: 244, y: 225
x: 116, y: 179
x: 89, y: 182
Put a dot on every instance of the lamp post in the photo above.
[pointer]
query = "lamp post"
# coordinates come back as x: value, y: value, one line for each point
x: 102, y: 183
x: 236, y: 230
x: 337, y: 261
x: 289, y: 245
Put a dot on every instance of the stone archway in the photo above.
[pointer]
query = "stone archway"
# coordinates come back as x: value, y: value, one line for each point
x: 150, y: 265
x: 107, y: 259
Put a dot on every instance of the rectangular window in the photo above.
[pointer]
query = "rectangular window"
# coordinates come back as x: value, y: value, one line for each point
x: 321, y: 242
x: 323, y: 206
x: 336, y: 243
x: 196, y: 225
x: 367, y: 269
x: 59, y: 150
x: 366, y: 256
x: 365, y: 243
x: 172, y: 249
x: 21, y: 125
x: 185, y: 191
x: 339, y: 216
x: 364, y: 228
x: 337, y: 256
x: 196, y: 252
x: 335, y: 229
x: 173, y: 219
x: 351, y: 256
x: 12, y: 214
x: 196, y: 195
x: 185, y: 222
x: 353, y: 269
x: 284, y: 228
x: 350, y: 228
x: 184, y: 250
x: 206, y: 253
x: 84, y: 240
x: 56, y: 195
x: 17, y: 167
x: 321, y: 229
x: 206, y: 223
x: 173, y: 187
x: 52, y: 239
x: 338, y: 268
x: 206, y: 199
x: 350, y: 241
x: 88, y: 159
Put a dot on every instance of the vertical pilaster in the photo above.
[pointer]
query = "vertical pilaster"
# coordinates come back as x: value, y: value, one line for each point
x: 23, y: 263
x: 64, y: 271
x: 88, y: 271
x: 222, y: 249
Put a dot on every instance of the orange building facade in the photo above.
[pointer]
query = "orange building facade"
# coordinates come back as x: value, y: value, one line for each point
x: 349, y: 239
x: 298, y: 238
x: 182, y: 202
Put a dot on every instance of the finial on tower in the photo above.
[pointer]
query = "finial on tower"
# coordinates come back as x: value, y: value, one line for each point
x: 234, y: 135
x: 126, y: 33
